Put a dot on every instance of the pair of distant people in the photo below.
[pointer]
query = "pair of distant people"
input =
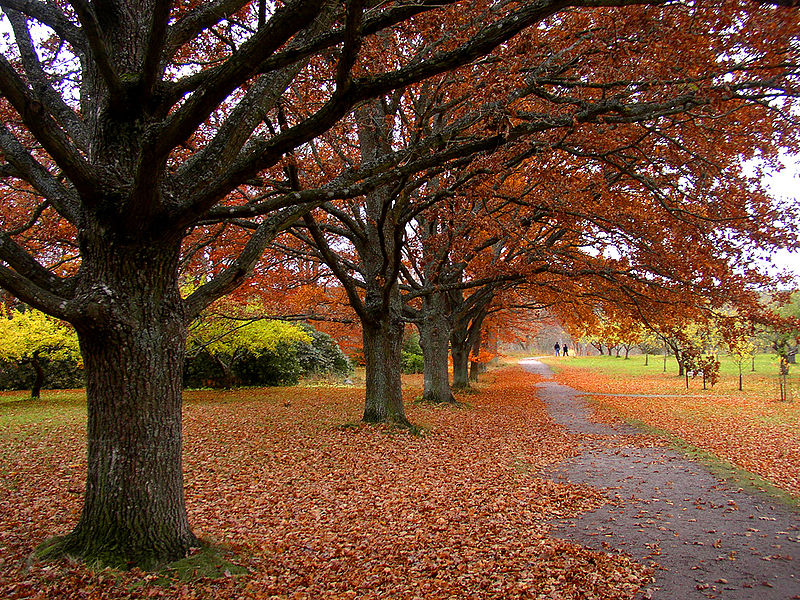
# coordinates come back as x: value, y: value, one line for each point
x: 561, y: 349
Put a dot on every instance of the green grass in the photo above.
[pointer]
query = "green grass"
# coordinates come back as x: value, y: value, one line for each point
x: 210, y: 561
x: 54, y: 408
x: 765, y: 364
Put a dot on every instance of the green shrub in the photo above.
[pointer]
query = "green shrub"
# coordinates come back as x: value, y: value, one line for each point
x: 278, y: 366
x: 412, y: 363
x: 260, y: 353
x: 202, y: 370
x: 411, y: 342
x: 58, y: 374
x: 322, y: 355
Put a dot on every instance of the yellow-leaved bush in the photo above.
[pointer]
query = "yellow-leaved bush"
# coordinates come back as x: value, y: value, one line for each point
x: 226, y: 352
x: 25, y: 334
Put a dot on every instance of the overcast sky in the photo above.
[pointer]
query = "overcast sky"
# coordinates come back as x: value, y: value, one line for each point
x: 786, y: 184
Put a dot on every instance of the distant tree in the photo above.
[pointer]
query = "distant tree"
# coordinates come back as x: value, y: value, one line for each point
x: 648, y: 344
x: 737, y: 336
x: 30, y: 336
x: 784, y: 330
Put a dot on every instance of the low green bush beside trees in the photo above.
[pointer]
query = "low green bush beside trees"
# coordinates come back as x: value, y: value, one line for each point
x: 38, y: 351
x: 259, y: 352
x: 411, y: 356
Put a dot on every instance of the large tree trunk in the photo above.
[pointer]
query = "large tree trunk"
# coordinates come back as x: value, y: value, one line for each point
x: 133, y: 346
x: 434, y: 338
x: 383, y: 344
x: 474, y: 371
x: 465, y: 334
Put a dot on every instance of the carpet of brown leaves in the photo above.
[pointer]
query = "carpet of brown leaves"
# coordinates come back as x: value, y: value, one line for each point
x: 316, y: 508
x: 749, y: 429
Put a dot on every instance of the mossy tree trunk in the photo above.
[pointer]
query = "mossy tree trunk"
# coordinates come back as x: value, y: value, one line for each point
x: 434, y: 338
x: 383, y: 344
x: 133, y: 345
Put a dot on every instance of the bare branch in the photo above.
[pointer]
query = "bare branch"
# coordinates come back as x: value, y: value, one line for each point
x: 46, y: 130
x: 44, y: 91
x: 26, y: 167
x: 48, y: 14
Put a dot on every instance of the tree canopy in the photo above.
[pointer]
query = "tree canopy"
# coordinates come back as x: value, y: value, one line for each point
x: 142, y: 139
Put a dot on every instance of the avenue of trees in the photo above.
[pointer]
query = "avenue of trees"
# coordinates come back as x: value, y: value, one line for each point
x: 441, y: 160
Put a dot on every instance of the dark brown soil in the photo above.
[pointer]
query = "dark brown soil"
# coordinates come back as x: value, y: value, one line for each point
x: 703, y: 537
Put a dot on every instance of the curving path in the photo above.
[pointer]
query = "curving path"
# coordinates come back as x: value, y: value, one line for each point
x: 703, y: 539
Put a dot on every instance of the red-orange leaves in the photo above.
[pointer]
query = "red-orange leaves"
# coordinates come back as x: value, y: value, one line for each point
x: 318, y: 508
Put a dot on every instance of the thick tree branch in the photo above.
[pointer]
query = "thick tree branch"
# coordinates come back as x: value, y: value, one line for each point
x: 52, y: 101
x: 373, y: 23
x: 285, y: 22
x: 99, y: 51
x: 264, y: 95
x: 152, y: 66
x: 24, y: 264
x: 230, y: 278
x: 35, y: 296
x: 264, y: 154
x: 48, y: 14
x: 46, y: 130
x: 26, y: 167
x: 332, y: 260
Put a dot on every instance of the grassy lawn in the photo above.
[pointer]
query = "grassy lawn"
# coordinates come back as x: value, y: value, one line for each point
x: 311, y: 504
x: 751, y: 429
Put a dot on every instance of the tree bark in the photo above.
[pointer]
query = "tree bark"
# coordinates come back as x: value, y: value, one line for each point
x: 228, y: 378
x: 38, y: 382
x: 383, y: 344
x: 460, y: 352
x: 791, y: 356
x: 434, y: 338
x: 133, y: 346
x: 475, y: 369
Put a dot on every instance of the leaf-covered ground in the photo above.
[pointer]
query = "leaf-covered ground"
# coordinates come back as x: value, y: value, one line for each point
x: 315, y: 505
x: 750, y: 429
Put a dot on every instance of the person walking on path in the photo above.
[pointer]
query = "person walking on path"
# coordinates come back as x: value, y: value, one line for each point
x: 558, y: 348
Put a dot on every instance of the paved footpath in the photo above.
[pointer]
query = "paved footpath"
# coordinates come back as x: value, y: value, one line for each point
x: 703, y: 538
